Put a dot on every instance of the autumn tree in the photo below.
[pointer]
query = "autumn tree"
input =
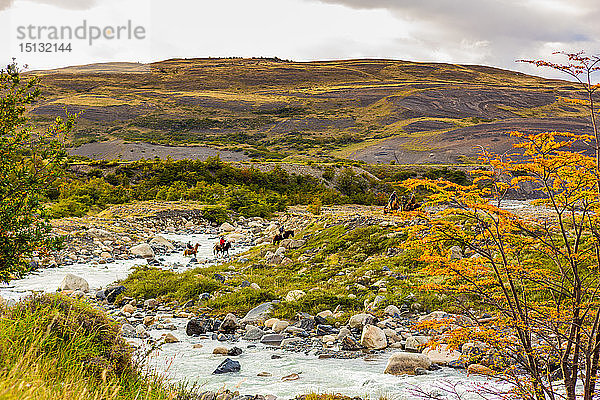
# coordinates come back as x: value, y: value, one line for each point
x: 30, y: 161
x: 536, y: 271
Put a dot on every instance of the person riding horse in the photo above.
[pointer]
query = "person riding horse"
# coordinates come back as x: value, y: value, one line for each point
x: 393, y: 202
x: 222, y: 247
x: 404, y: 203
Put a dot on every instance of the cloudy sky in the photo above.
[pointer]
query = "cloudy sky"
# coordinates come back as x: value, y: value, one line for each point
x: 490, y: 32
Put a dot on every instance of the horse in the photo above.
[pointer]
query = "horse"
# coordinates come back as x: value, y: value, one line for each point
x: 191, y: 252
x: 281, y: 236
x: 222, y: 249
x: 402, y: 204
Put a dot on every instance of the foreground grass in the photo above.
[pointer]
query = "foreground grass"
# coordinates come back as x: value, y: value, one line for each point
x: 54, y: 347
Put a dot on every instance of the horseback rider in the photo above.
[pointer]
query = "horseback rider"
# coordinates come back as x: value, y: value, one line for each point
x: 281, y: 229
x: 392, y: 200
x: 189, y: 245
x: 222, y: 241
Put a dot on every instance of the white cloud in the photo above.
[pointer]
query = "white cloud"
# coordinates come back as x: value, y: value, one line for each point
x: 492, y: 32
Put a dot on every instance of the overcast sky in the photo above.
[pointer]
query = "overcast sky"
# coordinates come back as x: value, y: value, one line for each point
x: 490, y: 32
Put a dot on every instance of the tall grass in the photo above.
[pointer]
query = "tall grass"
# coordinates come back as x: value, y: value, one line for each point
x: 54, y: 347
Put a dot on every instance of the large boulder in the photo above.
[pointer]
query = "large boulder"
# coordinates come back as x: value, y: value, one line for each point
x: 392, y: 311
x: 142, y: 250
x: 74, y: 282
x: 253, y: 333
x: 435, y: 316
x: 456, y: 253
x: 294, y: 295
x: 258, y: 314
x: 373, y: 338
x: 161, y: 241
x: 229, y: 324
x: 279, y: 326
x: 296, y: 244
x: 197, y: 327
x: 270, y: 322
x: 480, y: 370
x: 227, y: 366
x: 416, y: 343
x: 357, y: 321
x: 170, y: 338
x: 227, y: 227
x: 442, y: 355
x: 272, y: 339
x: 112, y: 293
x: 406, y: 363
x: 273, y: 259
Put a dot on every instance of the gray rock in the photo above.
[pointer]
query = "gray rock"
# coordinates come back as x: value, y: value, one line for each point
x: 100, y: 233
x: 294, y: 295
x: 253, y: 333
x: 392, y: 311
x: 227, y: 366
x: 227, y: 227
x: 74, y: 282
x: 373, y: 338
x: 142, y: 250
x: 272, y: 339
x: 456, y: 253
x: 357, y: 321
x: 279, y: 326
x: 378, y: 300
x: 151, y: 303
x: 442, y: 355
x: 416, y: 343
x: 229, y: 324
x: 406, y: 363
x: 290, y: 341
x: 258, y: 314
x: 161, y: 241
x: 343, y: 333
x: 296, y: 243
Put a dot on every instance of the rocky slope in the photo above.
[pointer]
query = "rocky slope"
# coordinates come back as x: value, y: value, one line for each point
x: 370, y: 110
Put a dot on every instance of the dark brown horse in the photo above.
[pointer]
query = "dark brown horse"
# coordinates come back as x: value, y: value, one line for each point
x: 222, y: 249
x: 191, y: 252
x: 281, y: 236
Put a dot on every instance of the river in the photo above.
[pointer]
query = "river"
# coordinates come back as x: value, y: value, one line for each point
x: 362, y: 377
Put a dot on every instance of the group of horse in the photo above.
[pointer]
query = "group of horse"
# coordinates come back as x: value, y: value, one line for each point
x: 402, y: 203
x: 223, y: 250
x: 218, y: 249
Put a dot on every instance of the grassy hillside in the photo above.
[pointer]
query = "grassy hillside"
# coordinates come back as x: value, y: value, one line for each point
x: 371, y: 110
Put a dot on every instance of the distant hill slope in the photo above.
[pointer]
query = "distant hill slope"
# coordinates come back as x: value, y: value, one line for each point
x: 371, y: 110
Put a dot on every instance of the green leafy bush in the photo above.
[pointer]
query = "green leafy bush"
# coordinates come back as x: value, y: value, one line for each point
x: 216, y: 214
x: 146, y: 283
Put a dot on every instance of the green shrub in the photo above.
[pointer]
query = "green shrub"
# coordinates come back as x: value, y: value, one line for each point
x: 146, y: 283
x: 215, y: 214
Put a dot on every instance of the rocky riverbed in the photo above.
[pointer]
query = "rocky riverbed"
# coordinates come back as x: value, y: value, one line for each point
x: 365, y: 355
